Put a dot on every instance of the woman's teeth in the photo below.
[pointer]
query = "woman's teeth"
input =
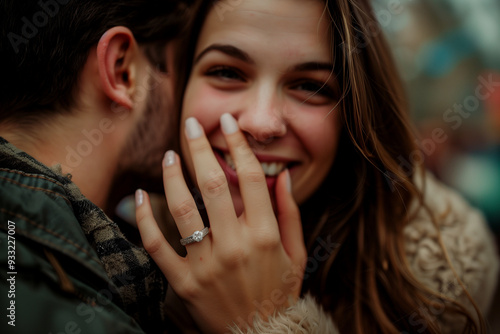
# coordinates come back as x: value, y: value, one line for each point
x: 273, y: 168
x: 270, y: 168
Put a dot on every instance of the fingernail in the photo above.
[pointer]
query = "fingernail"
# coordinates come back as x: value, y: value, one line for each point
x: 228, y: 124
x: 193, y: 128
x: 139, y: 197
x: 169, y: 158
x: 288, y: 181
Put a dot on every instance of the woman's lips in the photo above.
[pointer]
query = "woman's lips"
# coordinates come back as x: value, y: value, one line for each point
x: 270, y: 165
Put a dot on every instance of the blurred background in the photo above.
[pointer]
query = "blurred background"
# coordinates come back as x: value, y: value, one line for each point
x: 448, y: 54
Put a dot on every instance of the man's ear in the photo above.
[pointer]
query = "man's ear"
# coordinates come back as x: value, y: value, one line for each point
x: 117, y: 56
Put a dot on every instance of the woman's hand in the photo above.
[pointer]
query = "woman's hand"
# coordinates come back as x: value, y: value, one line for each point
x: 246, y: 266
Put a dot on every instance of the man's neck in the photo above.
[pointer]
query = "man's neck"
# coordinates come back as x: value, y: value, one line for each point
x: 79, y: 147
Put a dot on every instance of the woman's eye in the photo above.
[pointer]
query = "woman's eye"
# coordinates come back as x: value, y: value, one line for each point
x: 225, y: 73
x: 314, y: 88
x: 312, y: 92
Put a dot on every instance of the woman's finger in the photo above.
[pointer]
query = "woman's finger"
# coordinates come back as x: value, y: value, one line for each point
x: 171, y: 264
x: 251, y: 177
x: 289, y: 221
x: 212, y: 183
x: 181, y: 204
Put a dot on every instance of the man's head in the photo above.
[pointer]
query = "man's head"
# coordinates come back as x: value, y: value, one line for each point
x: 45, y: 44
x: 64, y: 57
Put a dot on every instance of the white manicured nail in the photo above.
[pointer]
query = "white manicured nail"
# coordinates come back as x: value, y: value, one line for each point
x: 169, y: 158
x: 228, y: 124
x: 288, y: 181
x: 193, y: 128
x: 139, y: 197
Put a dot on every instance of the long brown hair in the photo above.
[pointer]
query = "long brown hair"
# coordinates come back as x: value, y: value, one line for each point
x: 365, y: 282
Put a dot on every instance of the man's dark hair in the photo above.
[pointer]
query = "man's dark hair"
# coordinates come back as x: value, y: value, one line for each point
x: 44, y: 44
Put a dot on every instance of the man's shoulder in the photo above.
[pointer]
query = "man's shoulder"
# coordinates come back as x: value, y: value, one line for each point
x: 29, y: 189
x: 33, y: 195
x: 42, y: 213
x: 41, y: 218
x: 468, y: 242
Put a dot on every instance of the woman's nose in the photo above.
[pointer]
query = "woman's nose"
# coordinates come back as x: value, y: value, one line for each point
x: 264, y: 118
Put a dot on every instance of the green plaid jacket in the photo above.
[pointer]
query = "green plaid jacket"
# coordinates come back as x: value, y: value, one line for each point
x: 74, y: 267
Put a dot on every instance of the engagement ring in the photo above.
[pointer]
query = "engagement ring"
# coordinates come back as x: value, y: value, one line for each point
x: 195, y: 237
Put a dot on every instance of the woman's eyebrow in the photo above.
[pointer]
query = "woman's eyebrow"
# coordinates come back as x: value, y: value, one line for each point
x: 312, y: 66
x: 229, y: 50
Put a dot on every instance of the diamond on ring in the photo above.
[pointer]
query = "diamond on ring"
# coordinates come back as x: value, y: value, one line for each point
x: 197, y: 236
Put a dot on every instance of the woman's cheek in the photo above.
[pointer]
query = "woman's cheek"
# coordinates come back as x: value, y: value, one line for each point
x: 209, y: 105
x: 318, y: 131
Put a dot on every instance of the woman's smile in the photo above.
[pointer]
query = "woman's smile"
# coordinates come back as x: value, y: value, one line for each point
x: 271, y: 165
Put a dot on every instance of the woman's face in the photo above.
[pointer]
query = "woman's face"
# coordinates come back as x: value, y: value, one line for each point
x: 267, y: 63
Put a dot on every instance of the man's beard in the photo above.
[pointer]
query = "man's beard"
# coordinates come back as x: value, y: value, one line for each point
x: 153, y: 135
